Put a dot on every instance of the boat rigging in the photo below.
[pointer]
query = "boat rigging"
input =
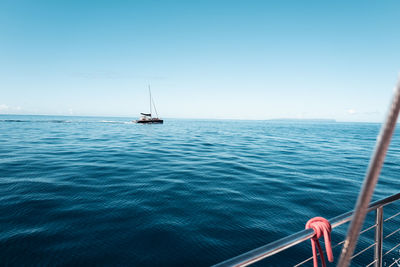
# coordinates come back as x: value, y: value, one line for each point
x: 147, y: 117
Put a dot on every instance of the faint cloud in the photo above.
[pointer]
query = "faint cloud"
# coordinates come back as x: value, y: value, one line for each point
x: 151, y: 78
x: 98, y: 75
x: 111, y: 75
x: 9, y: 109
x: 351, y: 111
x: 4, y: 107
x: 372, y: 113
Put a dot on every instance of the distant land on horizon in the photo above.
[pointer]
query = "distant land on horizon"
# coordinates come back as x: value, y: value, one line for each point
x: 305, y: 120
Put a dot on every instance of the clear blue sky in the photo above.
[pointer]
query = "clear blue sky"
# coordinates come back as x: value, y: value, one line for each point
x: 203, y: 59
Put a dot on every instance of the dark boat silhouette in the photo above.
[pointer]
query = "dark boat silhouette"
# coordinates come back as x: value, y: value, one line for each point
x: 147, y: 117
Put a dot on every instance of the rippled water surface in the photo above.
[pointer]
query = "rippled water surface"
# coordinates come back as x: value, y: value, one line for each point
x: 104, y: 191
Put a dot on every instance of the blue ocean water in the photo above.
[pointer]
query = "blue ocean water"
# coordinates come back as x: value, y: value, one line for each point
x: 105, y: 191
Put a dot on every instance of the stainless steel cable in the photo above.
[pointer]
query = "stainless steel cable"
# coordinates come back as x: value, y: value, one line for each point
x: 290, y: 241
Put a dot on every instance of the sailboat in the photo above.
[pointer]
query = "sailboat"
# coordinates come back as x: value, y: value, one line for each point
x: 147, y: 117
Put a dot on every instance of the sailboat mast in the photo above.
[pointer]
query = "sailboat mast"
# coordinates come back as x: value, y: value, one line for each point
x: 150, y: 100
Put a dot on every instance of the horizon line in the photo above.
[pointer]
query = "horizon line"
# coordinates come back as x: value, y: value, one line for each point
x: 199, y: 118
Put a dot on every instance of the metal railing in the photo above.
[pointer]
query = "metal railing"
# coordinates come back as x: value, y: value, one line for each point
x: 299, y: 237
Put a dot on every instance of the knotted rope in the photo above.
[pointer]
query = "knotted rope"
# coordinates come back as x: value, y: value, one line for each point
x: 321, y: 227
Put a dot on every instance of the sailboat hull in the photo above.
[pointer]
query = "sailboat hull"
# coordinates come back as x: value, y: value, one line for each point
x: 150, y: 121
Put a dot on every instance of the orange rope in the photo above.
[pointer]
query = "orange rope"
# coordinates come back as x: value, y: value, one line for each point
x: 321, y: 227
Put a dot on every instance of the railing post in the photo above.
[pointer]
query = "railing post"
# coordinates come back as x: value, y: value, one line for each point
x: 378, y: 236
